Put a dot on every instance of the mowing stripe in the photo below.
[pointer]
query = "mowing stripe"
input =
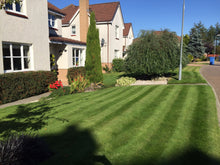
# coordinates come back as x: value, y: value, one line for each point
x: 119, y: 111
x: 115, y: 104
x: 85, y: 113
x: 149, y: 126
x: 199, y: 124
x: 134, y: 120
x: 85, y: 105
x: 94, y: 111
x: 155, y: 144
x: 181, y: 137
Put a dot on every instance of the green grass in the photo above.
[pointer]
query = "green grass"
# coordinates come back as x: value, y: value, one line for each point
x: 190, y: 75
x: 110, y: 78
x: 124, y: 126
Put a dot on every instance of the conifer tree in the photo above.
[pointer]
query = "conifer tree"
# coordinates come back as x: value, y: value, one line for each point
x: 195, y: 46
x: 93, y: 58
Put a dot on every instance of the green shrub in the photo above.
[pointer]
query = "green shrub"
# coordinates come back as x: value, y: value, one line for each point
x: 118, y: 65
x: 153, y: 54
x: 125, y: 81
x: 23, y: 150
x: 74, y: 72
x: 60, y: 92
x: 16, y: 86
x: 78, y: 84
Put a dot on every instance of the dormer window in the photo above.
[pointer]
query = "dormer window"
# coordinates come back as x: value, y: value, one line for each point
x: 51, y: 20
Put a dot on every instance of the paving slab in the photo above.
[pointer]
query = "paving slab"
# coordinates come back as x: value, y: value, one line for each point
x: 26, y: 101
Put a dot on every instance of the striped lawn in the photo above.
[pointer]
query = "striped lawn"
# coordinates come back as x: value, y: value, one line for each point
x: 190, y: 75
x: 124, y: 125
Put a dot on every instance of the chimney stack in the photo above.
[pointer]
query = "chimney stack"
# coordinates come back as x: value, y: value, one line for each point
x: 84, y: 21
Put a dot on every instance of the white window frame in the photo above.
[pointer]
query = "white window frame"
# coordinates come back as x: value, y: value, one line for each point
x: 80, y: 57
x: 73, y: 30
x: 51, y: 20
x: 22, y: 7
x: 22, y: 57
x: 116, y: 31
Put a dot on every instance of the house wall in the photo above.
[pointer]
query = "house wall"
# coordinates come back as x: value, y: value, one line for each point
x: 103, y: 34
x: 67, y: 30
x: 114, y: 43
x: 128, y: 40
x: 32, y: 30
x: 107, y: 32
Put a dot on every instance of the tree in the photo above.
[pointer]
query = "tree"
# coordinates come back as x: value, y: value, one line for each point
x: 186, y: 39
x: 93, y: 58
x: 153, y: 54
x: 195, y: 46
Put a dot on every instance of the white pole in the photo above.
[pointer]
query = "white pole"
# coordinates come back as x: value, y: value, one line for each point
x: 181, y: 47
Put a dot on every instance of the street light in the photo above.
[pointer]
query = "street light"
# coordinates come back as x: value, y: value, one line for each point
x: 181, y: 47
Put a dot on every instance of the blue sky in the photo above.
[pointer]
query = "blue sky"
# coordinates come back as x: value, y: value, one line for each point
x: 162, y: 14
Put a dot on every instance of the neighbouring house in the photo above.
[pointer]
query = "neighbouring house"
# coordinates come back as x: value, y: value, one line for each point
x: 109, y: 21
x: 24, y: 35
x: 128, y: 37
x: 29, y: 36
x: 68, y: 51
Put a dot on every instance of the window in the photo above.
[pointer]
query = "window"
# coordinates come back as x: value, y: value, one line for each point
x: 16, y: 6
x: 116, y: 53
x: 74, y: 30
x: 77, y: 57
x: 51, y: 20
x: 16, y: 57
x: 117, y: 31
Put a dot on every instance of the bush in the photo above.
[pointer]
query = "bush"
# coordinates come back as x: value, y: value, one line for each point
x: 78, y: 84
x: 60, y: 92
x: 16, y: 86
x: 74, y: 72
x: 153, y: 54
x: 125, y: 81
x: 23, y: 150
x: 190, y: 58
x: 118, y: 65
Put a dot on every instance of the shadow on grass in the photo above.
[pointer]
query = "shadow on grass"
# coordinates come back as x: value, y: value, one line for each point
x: 29, y: 117
x: 74, y: 146
x: 190, y: 156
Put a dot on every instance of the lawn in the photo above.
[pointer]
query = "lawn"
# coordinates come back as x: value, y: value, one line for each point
x: 110, y: 78
x: 190, y: 75
x: 124, y: 126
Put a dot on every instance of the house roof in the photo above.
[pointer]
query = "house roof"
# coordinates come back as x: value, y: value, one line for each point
x: 104, y: 12
x: 126, y: 29
x: 69, y: 11
x: 55, y: 9
x: 66, y: 40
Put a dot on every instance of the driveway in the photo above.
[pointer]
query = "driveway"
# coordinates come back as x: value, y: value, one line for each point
x: 212, y: 74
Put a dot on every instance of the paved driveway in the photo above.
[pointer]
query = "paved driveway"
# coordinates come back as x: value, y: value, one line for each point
x: 212, y: 74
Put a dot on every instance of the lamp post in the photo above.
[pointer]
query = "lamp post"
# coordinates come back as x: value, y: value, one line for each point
x: 181, y: 47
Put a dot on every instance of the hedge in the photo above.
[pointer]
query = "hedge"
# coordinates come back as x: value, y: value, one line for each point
x: 118, y: 65
x: 16, y: 86
x: 73, y: 72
